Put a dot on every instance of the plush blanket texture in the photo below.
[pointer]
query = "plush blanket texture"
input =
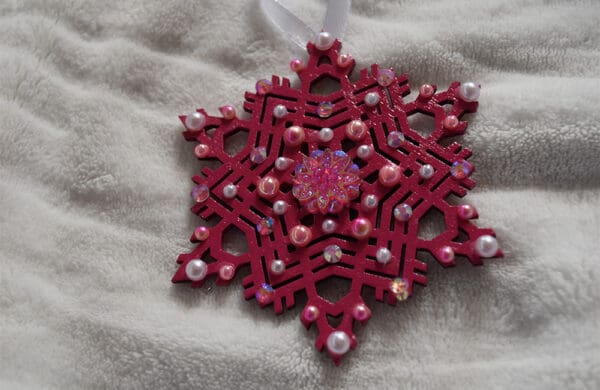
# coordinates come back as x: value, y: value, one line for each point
x: 94, y: 206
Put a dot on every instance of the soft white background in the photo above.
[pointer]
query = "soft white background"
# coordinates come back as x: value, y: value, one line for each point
x: 94, y: 204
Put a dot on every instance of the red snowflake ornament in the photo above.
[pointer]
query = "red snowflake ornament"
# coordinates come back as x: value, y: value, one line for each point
x: 333, y: 186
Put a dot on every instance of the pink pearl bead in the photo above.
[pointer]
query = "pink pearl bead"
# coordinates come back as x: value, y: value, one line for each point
x: 201, y: 233
x: 450, y: 122
x: 446, y: 254
x: 389, y: 175
x: 300, y: 235
x: 361, y: 228
x: 426, y: 91
x: 202, y: 150
x: 344, y: 60
x: 226, y: 272
x: 268, y: 187
x: 294, y: 136
x: 310, y: 313
x: 296, y: 65
x: 361, y: 312
x: 356, y: 130
x: 466, y: 211
x: 228, y: 112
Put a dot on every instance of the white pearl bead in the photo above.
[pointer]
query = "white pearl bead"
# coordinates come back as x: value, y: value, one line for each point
x: 196, y: 270
x: 383, y: 255
x: 338, y: 342
x: 364, y: 152
x: 324, y: 40
x: 328, y: 226
x: 230, y: 191
x: 371, y: 99
x: 469, y: 91
x: 325, y: 134
x: 195, y: 121
x: 283, y: 163
x: 277, y: 267
x: 280, y: 111
x: 426, y: 171
x: 486, y: 246
x: 280, y: 207
x: 370, y: 201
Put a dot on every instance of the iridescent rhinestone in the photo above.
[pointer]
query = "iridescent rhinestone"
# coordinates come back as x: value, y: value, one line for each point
x: 399, y: 287
x: 200, y: 193
x: 403, y: 212
x: 325, y: 109
x: 369, y: 202
x: 385, y: 77
x: 265, y: 293
x: 258, y: 155
x: 265, y: 226
x: 332, y: 254
x: 461, y: 169
x: 395, y: 139
x: 263, y: 86
x: 316, y: 153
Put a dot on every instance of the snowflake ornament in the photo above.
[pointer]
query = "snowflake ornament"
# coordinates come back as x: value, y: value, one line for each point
x: 333, y: 186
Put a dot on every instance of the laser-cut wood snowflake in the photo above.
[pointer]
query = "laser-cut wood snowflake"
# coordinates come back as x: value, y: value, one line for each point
x: 371, y: 239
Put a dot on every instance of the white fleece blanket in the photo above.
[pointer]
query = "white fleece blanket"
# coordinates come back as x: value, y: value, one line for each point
x: 94, y: 204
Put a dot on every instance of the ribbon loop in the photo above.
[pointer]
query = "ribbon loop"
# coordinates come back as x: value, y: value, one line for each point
x: 299, y: 32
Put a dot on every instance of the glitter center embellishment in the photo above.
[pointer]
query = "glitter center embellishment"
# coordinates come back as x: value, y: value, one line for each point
x: 326, y: 181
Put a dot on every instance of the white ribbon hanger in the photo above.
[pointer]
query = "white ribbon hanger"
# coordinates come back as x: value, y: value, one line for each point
x: 299, y: 32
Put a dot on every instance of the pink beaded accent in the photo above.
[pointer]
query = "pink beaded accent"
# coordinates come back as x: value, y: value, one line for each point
x: 228, y: 112
x: 296, y: 65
